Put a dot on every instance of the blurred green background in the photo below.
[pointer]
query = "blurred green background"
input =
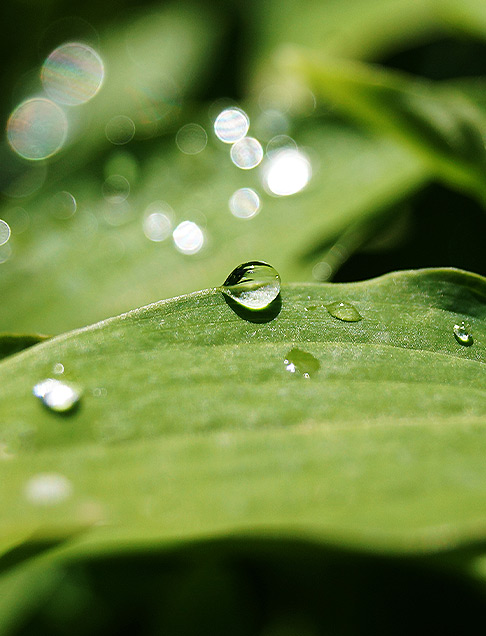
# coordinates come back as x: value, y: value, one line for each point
x: 399, y: 189
x: 386, y: 99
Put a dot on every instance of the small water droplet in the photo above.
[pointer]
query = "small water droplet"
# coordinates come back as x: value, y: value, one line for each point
x: 301, y: 362
x: 58, y: 368
x: 56, y: 395
x: 254, y: 285
x: 462, y: 334
x: 344, y: 311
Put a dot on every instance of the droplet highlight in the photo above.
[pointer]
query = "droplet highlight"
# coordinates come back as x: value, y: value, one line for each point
x: 462, y: 335
x: 254, y: 285
x: 344, y: 311
x: 301, y: 363
x: 56, y: 395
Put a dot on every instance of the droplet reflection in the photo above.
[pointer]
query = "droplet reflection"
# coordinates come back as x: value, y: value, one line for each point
x: 344, y: 311
x: 188, y: 237
x: 286, y: 172
x: 231, y: 125
x: 254, y: 285
x: 247, y: 153
x: 56, y: 395
x: 244, y: 203
x: 301, y: 362
x: 462, y: 335
x: 72, y: 74
x: 37, y: 129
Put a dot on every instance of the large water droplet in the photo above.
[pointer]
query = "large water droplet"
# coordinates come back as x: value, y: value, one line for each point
x: 254, y: 285
x: 56, y: 395
x: 301, y: 362
x: 462, y: 334
x: 344, y: 311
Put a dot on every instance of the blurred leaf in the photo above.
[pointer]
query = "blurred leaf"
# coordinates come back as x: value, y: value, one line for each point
x: 354, y: 28
x: 442, y: 126
x: 83, y: 269
x: 191, y: 425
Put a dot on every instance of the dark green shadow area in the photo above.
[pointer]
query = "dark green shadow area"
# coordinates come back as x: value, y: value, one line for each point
x: 27, y: 550
x: 256, y: 316
x: 14, y: 343
x: 262, y: 586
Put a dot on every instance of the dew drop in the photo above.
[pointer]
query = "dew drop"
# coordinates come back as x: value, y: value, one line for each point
x: 254, y: 285
x: 56, y: 395
x: 344, y: 311
x: 301, y: 362
x: 462, y: 335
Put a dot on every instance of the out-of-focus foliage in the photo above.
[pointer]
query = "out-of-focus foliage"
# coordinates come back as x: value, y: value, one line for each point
x: 166, y: 64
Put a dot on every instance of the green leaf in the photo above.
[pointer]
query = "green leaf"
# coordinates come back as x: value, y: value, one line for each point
x: 192, y: 426
x: 13, y: 343
x: 441, y: 125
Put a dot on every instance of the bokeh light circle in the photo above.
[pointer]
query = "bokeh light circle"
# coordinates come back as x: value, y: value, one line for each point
x: 247, y: 153
x: 116, y: 188
x: 63, y: 205
x: 188, y: 237
x: 231, y: 125
x: 4, y: 232
x: 191, y: 139
x: 120, y: 130
x: 286, y: 172
x: 37, y: 129
x: 72, y: 74
x: 157, y: 223
x: 244, y: 203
